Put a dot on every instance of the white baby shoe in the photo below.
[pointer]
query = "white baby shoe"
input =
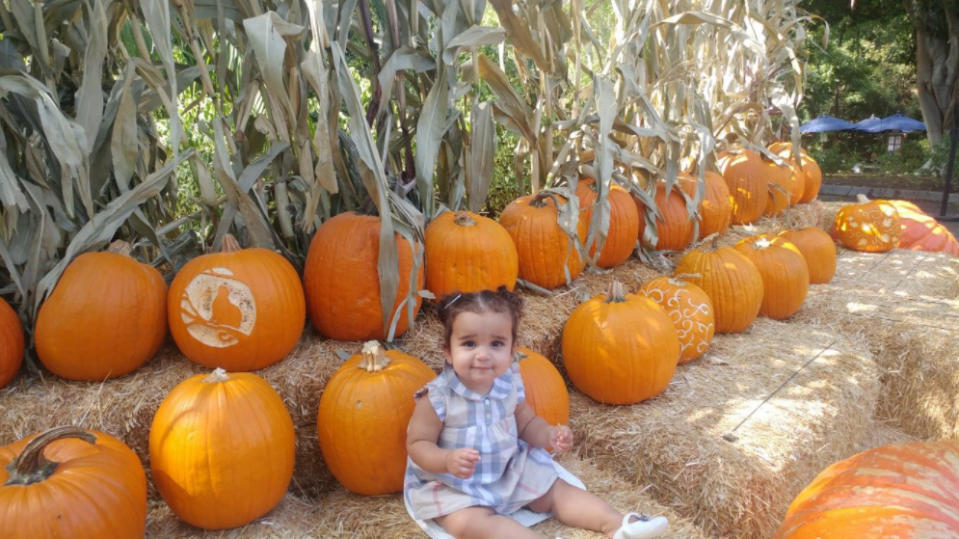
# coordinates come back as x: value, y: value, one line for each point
x: 636, y: 526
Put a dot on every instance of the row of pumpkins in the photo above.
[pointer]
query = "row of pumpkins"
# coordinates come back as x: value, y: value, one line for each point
x: 194, y: 468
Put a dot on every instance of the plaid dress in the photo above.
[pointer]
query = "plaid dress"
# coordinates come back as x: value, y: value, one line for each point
x: 510, y: 473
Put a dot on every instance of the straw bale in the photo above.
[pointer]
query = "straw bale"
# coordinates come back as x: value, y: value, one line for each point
x: 340, y: 513
x: 739, y: 432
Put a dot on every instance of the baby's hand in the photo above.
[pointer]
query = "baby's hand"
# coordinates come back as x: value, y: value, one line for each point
x: 462, y: 462
x: 560, y: 438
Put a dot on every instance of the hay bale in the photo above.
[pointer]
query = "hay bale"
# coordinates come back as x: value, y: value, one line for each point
x: 340, y: 513
x: 739, y: 432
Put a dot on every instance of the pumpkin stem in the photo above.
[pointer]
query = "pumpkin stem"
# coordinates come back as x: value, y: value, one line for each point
x: 229, y: 244
x: 682, y: 278
x: 30, y: 466
x: 761, y: 243
x: 617, y: 292
x: 861, y: 198
x: 463, y: 218
x: 374, y: 357
x: 120, y: 247
x: 218, y: 375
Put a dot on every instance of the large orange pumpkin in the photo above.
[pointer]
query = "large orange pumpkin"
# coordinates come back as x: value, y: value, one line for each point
x: 620, y: 348
x: 68, y: 482
x: 716, y: 208
x: 690, y: 310
x: 746, y: 175
x: 784, y: 272
x: 239, y: 309
x: 899, y: 490
x: 546, y: 390
x: 547, y: 256
x: 872, y: 226
x: 819, y: 250
x: 466, y: 252
x: 731, y: 281
x: 811, y: 172
x: 342, y: 284
x: 623, y: 222
x: 922, y: 232
x: 674, y: 228
x: 105, y: 318
x: 11, y: 343
x: 222, y: 449
x: 362, y: 418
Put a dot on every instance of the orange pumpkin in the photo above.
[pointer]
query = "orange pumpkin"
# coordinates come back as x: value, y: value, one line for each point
x: 222, y: 449
x: 746, y: 175
x: 690, y: 310
x: 362, y: 418
x: 674, y: 228
x: 68, y: 482
x: 11, y: 343
x: 105, y: 318
x: 732, y: 282
x: 784, y: 272
x: 466, y: 252
x: 872, y: 226
x: 623, y: 222
x: 342, y: 284
x: 547, y: 257
x: 716, y: 208
x: 782, y: 186
x: 819, y: 250
x: 620, y: 348
x: 899, y: 490
x: 239, y: 309
x: 811, y: 172
x: 546, y: 390
x: 922, y: 232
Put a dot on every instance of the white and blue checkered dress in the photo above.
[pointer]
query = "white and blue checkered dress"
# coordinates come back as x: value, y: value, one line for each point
x: 510, y: 473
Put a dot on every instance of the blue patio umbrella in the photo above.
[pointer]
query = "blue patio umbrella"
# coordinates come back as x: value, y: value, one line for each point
x: 896, y: 122
x: 825, y: 123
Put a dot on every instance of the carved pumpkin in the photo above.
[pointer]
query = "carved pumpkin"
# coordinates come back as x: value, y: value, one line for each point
x: 11, y: 343
x: 547, y: 257
x: 620, y: 348
x: 342, y: 284
x: 922, y: 232
x: 674, y: 228
x: 623, y: 222
x: 466, y: 252
x: 819, y: 250
x: 105, y: 318
x: 872, y: 226
x: 746, y: 175
x: 68, y: 482
x: 898, y: 490
x: 546, y: 390
x: 731, y: 281
x: 239, y: 309
x: 362, y: 418
x: 222, y: 449
x: 811, y: 173
x: 784, y: 272
x: 691, y: 311
x: 716, y: 208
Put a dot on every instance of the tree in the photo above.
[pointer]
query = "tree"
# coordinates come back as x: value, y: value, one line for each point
x: 936, y: 30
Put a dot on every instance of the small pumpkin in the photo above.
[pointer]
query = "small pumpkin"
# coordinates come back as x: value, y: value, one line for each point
x: 222, y: 449
x: 467, y: 252
x: 68, y: 482
x: 620, y: 348
x: 867, y: 225
x: 690, y: 310
x: 782, y: 181
x: 362, y: 418
x: 811, y: 172
x: 715, y: 210
x: 546, y: 390
x: 730, y: 279
x: 341, y: 280
x: 819, y: 250
x: 623, y: 222
x: 746, y: 175
x: 784, y: 272
x: 106, y: 316
x: 921, y: 231
x: 898, y: 490
x: 547, y: 256
x: 239, y: 309
x: 675, y: 230
x: 11, y: 343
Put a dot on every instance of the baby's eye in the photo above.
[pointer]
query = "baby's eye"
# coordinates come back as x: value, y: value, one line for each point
x: 498, y: 344
x: 468, y: 344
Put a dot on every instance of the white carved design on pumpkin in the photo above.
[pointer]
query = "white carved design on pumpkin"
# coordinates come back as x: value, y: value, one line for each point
x: 216, y: 309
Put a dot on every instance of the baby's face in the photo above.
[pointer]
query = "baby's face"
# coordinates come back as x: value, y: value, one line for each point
x: 481, y: 348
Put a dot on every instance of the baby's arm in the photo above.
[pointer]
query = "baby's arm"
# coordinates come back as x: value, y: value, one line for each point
x: 421, y: 436
x: 537, y: 432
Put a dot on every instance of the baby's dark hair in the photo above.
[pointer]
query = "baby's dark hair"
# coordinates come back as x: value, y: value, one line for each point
x: 500, y: 300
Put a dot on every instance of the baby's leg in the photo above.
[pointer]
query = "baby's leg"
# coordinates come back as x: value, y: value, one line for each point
x: 578, y: 508
x: 482, y: 522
